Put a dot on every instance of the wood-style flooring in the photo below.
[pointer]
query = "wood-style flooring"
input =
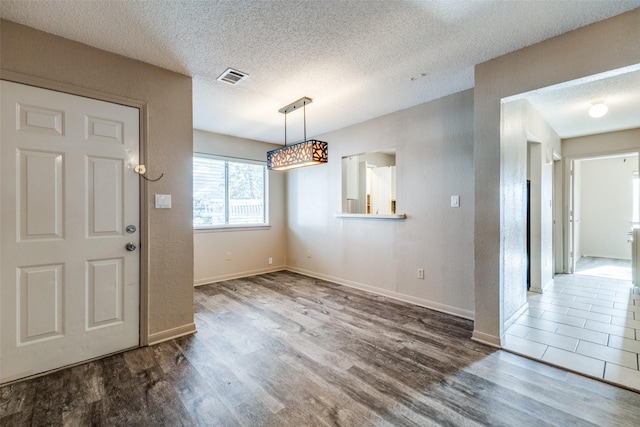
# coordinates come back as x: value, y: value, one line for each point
x: 283, y: 349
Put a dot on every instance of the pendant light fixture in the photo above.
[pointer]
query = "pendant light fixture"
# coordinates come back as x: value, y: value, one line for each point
x: 307, y: 153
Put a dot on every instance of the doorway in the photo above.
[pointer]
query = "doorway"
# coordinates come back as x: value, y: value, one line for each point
x: 601, y: 215
x: 70, y: 287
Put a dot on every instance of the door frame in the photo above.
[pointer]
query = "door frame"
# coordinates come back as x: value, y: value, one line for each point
x: 571, y: 254
x: 25, y: 79
x: 568, y: 193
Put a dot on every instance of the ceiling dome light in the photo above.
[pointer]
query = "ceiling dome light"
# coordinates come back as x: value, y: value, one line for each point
x: 598, y: 110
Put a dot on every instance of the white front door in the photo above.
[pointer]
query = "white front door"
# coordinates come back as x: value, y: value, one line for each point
x: 69, y: 288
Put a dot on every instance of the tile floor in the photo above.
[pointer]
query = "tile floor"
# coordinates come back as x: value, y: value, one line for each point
x: 604, y: 267
x: 583, y: 323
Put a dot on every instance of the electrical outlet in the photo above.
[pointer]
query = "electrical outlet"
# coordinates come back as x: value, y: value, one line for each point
x: 228, y: 256
x: 308, y: 253
x: 270, y: 260
x: 421, y: 273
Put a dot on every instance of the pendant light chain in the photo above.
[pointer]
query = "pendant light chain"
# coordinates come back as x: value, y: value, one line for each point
x: 304, y: 108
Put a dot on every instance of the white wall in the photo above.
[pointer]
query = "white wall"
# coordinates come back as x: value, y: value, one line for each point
x: 521, y: 123
x: 607, y: 206
x: 434, y: 158
x: 250, y: 248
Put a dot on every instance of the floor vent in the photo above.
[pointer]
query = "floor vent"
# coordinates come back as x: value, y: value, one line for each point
x: 232, y: 77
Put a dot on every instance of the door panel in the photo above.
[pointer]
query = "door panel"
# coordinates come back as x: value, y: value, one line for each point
x: 39, y: 178
x: 104, y: 196
x: 41, y: 120
x: 105, y: 292
x: 40, y: 303
x: 69, y: 289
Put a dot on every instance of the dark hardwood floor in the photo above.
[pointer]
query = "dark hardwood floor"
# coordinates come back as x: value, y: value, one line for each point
x: 283, y: 349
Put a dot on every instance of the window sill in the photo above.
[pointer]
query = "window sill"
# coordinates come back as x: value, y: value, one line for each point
x: 371, y: 216
x: 238, y: 227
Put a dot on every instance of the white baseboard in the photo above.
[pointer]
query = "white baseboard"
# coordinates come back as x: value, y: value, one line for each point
x: 170, y: 334
x: 541, y: 290
x: 395, y: 295
x: 239, y: 275
x: 547, y: 285
x: 511, y: 320
x: 487, y: 339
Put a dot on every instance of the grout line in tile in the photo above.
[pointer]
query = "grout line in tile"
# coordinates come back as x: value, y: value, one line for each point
x: 544, y: 352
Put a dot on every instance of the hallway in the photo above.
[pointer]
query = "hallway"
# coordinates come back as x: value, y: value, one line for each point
x: 583, y: 323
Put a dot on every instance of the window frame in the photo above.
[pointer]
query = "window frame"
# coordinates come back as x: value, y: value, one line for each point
x: 227, y: 226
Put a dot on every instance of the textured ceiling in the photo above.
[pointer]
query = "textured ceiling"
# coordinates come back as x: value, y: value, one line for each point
x: 356, y: 59
x: 566, y: 108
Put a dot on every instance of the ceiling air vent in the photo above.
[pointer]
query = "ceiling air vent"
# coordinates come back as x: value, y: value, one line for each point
x: 232, y: 76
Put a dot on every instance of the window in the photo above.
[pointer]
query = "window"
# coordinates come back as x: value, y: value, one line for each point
x: 228, y: 192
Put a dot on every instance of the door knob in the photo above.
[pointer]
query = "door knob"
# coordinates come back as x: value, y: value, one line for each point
x: 131, y: 246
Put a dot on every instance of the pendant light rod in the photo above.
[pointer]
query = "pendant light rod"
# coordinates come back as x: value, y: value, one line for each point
x: 302, y: 102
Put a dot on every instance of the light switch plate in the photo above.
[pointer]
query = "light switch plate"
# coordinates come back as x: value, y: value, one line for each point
x: 455, y: 201
x: 163, y: 201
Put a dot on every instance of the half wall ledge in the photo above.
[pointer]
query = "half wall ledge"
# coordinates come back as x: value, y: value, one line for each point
x: 371, y: 216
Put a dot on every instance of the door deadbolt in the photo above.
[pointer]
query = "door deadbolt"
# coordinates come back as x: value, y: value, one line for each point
x: 131, y: 246
x: 131, y: 229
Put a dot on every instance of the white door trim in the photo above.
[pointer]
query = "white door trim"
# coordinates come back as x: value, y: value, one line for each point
x: 144, y: 213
